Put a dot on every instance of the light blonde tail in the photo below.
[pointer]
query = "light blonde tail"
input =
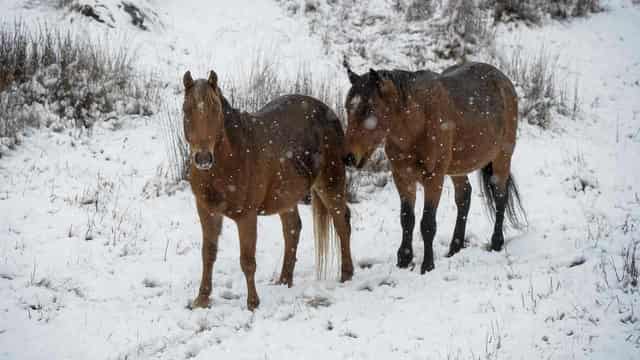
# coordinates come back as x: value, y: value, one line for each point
x: 325, y: 238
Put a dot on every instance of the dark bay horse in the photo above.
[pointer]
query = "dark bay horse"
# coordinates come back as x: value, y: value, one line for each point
x: 244, y: 165
x: 433, y: 125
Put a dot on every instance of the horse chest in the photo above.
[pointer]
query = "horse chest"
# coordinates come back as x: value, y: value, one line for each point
x: 224, y: 192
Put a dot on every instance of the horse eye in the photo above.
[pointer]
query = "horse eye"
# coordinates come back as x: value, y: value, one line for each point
x: 364, y: 112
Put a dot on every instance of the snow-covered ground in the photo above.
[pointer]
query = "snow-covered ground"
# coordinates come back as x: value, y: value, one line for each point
x: 94, y: 264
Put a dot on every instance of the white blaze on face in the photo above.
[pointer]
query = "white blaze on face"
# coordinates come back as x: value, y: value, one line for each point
x: 371, y: 122
x: 447, y: 125
x: 201, y: 106
x: 355, y: 101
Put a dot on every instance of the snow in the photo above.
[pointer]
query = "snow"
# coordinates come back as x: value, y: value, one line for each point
x: 95, y: 266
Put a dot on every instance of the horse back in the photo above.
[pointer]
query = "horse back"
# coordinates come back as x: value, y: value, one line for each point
x: 478, y: 92
x: 299, y: 112
x: 298, y: 129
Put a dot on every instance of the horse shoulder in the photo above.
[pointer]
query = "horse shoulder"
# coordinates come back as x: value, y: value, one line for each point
x: 440, y: 127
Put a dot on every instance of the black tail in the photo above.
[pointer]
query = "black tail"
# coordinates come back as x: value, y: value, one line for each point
x: 514, y: 210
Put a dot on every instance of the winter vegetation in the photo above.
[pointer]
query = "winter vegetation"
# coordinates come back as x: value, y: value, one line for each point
x: 534, y: 11
x: 53, y: 78
x: 439, y: 33
x: 99, y: 235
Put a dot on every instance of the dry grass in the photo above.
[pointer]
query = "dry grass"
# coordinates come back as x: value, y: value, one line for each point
x: 537, y: 80
x: 48, y: 75
x: 533, y: 11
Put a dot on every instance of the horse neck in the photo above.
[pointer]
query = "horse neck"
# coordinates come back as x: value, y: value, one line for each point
x: 235, y: 133
x: 406, y: 125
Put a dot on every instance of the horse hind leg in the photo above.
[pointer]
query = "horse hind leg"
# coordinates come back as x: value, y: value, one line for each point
x: 462, y: 188
x: 496, y: 176
x: 291, y: 226
x: 332, y: 195
x: 432, y: 191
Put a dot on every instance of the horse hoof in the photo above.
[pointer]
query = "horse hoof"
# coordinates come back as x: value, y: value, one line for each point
x: 404, y: 263
x: 285, y: 281
x: 455, y: 246
x: 405, y: 256
x: 426, y: 266
x: 200, y: 302
x: 453, y: 251
x: 253, y: 303
x: 346, y: 276
x: 496, y: 243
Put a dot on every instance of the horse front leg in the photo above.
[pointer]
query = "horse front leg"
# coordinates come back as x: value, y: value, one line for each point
x: 407, y: 191
x: 247, y: 230
x: 432, y: 191
x: 211, y: 227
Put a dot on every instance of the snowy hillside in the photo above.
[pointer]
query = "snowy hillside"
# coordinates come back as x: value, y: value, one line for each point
x: 100, y: 253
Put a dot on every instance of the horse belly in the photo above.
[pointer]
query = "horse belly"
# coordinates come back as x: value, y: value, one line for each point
x: 474, y: 147
x: 286, y: 190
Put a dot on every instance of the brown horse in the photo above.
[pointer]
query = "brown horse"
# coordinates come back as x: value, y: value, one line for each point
x: 244, y: 165
x: 433, y: 125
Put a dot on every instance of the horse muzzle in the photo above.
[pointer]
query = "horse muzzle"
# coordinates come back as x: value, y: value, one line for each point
x: 203, y: 160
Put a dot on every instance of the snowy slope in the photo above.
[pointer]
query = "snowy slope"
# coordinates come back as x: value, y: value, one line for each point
x: 198, y: 34
x: 123, y: 294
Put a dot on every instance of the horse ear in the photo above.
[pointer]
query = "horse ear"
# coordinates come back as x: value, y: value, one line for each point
x: 353, y: 77
x: 213, y: 79
x: 388, y: 90
x: 187, y: 80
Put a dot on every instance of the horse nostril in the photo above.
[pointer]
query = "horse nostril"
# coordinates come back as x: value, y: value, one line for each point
x: 349, y: 160
x: 203, y: 159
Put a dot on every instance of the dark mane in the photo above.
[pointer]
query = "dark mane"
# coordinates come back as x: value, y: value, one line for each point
x: 404, y: 81
x: 226, y: 105
x: 236, y: 123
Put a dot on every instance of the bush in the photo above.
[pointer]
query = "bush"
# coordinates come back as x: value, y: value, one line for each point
x: 419, y: 10
x: 536, y: 81
x: 509, y: 10
x: 176, y: 145
x: 532, y: 11
x: 564, y: 9
x: 49, y: 77
x: 264, y: 82
x: 465, y: 30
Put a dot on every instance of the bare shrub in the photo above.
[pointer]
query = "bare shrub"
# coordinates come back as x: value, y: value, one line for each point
x: 522, y: 10
x: 264, y: 82
x: 63, y: 79
x: 465, y: 30
x: 536, y: 80
x: 532, y: 11
x: 254, y: 89
x: 63, y: 4
x: 419, y: 10
x: 175, y: 143
x: 630, y: 270
x: 564, y: 9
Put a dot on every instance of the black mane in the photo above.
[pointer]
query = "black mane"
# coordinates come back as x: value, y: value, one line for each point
x: 236, y: 122
x: 404, y: 81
